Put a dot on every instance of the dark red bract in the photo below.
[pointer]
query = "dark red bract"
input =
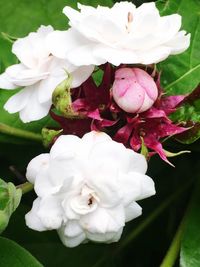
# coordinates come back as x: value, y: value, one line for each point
x: 99, y: 112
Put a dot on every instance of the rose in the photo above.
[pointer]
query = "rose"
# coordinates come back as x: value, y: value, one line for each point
x: 87, y: 188
x: 38, y: 73
x: 121, y: 34
x: 134, y: 90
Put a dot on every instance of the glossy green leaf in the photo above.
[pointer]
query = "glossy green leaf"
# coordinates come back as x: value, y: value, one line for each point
x: 181, y: 73
x: 13, y: 255
x: 190, y: 248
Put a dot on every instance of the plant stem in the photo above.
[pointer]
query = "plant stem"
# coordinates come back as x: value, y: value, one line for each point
x: 153, y: 216
x: 6, y: 129
x: 26, y: 187
x: 173, y: 251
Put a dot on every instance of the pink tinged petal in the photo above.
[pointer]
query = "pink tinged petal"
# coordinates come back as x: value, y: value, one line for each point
x: 21, y: 76
x: 32, y: 219
x: 104, y: 221
x: 147, y: 82
x: 36, y: 165
x: 133, y: 97
x: 50, y: 212
x: 6, y: 83
x: 132, y: 211
x: 71, y: 241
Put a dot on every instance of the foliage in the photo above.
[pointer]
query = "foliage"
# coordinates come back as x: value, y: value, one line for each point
x: 146, y: 239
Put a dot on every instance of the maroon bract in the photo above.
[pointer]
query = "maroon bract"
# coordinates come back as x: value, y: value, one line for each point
x: 99, y: 112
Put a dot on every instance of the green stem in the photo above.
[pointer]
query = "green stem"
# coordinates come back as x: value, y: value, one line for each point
x: 173, y: 251
x: 26, y: 187
x: 153, y: 216
x: 6, y: 129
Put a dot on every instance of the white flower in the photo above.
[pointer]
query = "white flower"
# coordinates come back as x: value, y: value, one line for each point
x: 87, y: 188
x: 121, y: 34
x: 38, y: 73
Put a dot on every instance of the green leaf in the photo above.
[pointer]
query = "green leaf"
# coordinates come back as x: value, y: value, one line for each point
x: 9, y: 200
x: 181, y: 73
x: 13, y: 255
x: 18, y: 18
x: 190, y: 248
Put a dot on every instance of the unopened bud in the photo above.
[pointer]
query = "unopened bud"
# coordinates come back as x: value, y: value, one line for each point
x: 134, y: 90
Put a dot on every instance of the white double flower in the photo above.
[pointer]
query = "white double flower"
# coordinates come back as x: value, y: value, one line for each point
x: 87, y: 188
x: 122, y: 34
x: 38, y: 73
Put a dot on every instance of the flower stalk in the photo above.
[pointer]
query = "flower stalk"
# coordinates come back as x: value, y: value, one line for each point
x: 26, y: 187
x: 9, y: 130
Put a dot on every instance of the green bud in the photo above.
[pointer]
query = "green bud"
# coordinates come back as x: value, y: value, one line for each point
x: 10, y: 198
x: 62, y: 97
x: 48, y: 136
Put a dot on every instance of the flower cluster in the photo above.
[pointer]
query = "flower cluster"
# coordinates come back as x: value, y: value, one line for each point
x: 122, y: 34
x: 88, y: 185
x: 87, y: 188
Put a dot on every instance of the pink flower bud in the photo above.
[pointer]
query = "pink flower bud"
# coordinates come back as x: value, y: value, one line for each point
x: 134, y: 90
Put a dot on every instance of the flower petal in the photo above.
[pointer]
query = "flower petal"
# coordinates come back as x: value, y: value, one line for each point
x: 132, y: 211
x: 36, y: 165
x: 32, y: 219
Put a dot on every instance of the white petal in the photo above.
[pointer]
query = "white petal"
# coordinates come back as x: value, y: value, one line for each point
x: 21, y: 76
x: 32, y: 219
x: 73, y: 241
x: 132, y: 211
x: 66, y: 146
x: 155, y: 55
x: 147, y: 187
x: 6, y: 83
x: 36, y: 165
x: 44, y: 185
x: 116, y: 56
x: 18, y: 101
x: 50, y: 212
x: 73, y: 228
x: 179, y: 43
x: 34, y: 110
x: 135, y: 186
x: 104, y: 221
x: 81, y: 74
x: 31, y: 50
x: 108, y: 237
